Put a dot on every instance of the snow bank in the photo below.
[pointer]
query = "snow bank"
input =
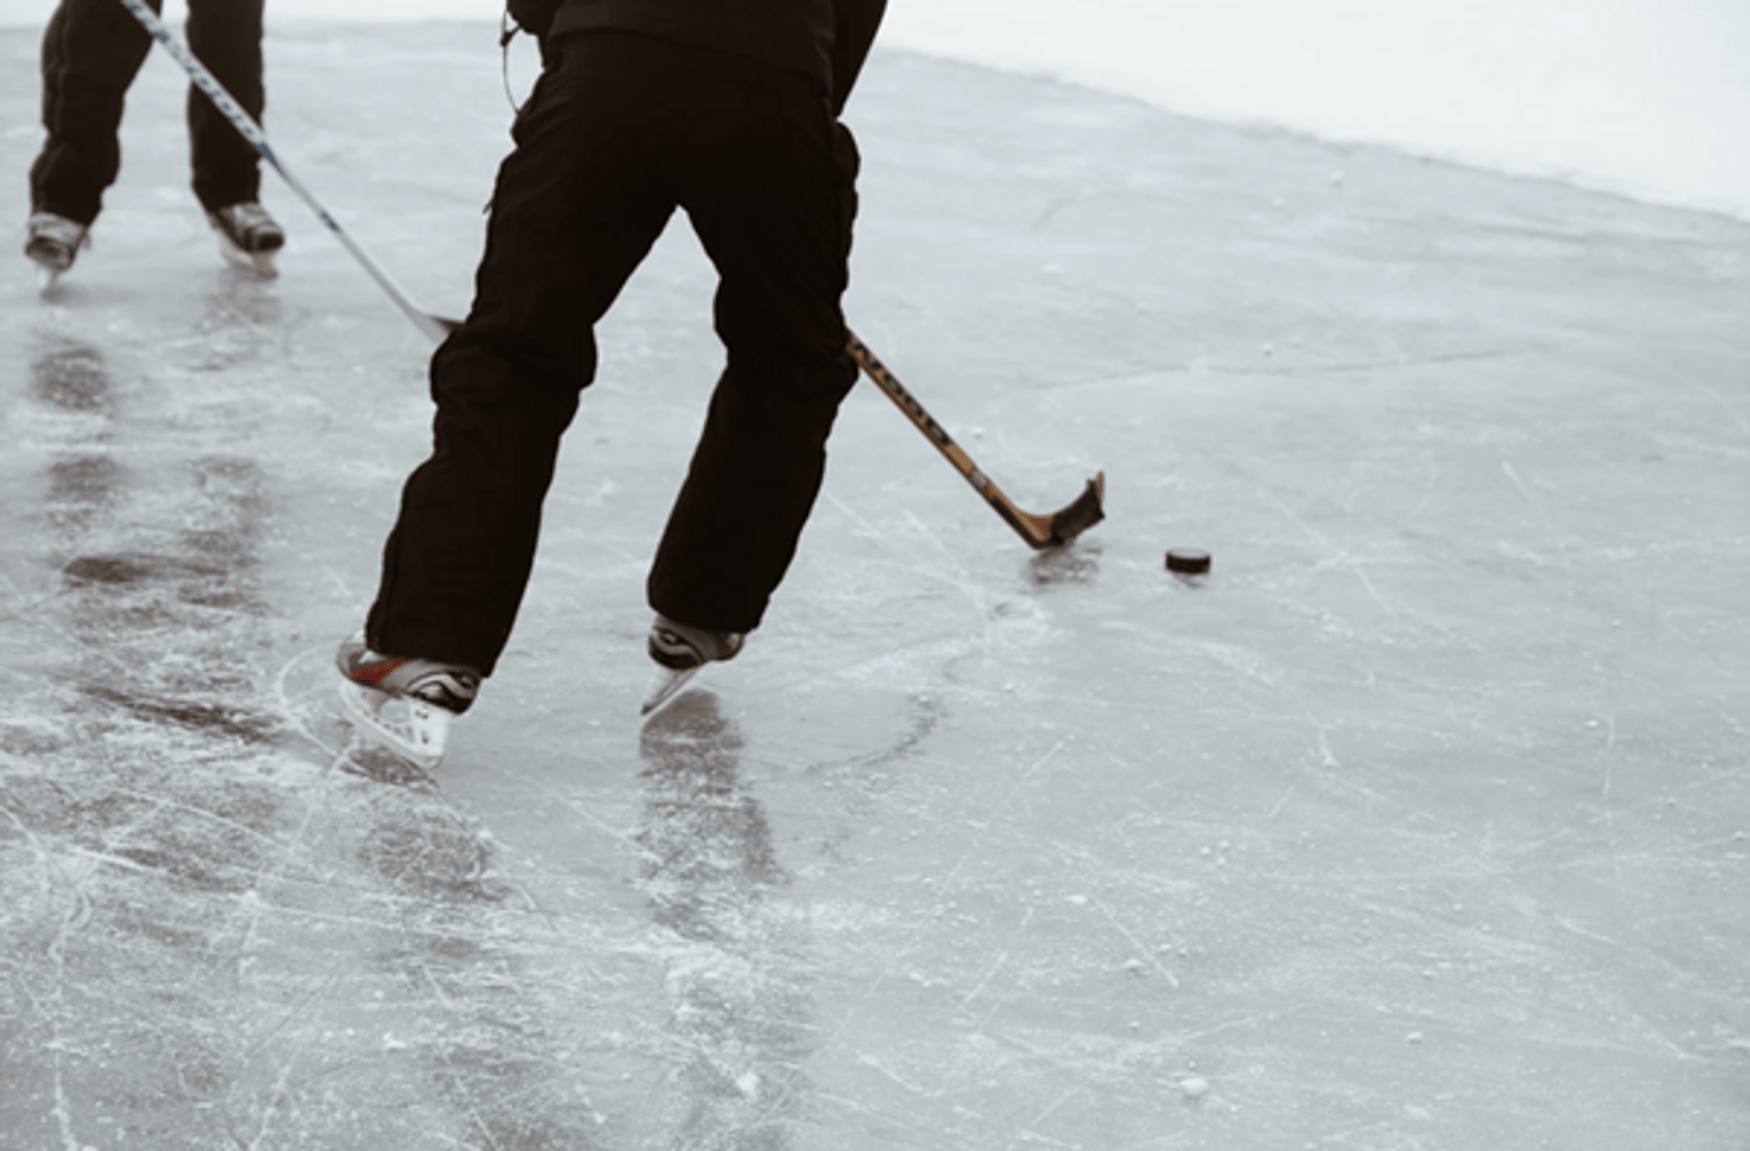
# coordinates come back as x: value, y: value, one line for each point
x: 1649, y: 100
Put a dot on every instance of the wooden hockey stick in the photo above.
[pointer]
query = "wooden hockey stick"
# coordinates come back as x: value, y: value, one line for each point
x: 1040, y: 531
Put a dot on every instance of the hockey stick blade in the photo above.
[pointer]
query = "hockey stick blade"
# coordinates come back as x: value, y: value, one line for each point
x: 1040, y: 531
x: 1060, y: 527
x: 1081, y: 514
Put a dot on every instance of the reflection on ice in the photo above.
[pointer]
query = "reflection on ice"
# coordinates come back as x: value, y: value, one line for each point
x: 1076, y: 563
x: 81, y: 486
x: 132, y: 569
x: 69, y: 375
x: 738, y: 954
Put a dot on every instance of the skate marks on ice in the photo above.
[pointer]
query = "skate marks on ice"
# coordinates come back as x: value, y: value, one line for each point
x: 736, y: 946
x: 1364, y: 885
x: 227, y: 930
x: 144, y: 551
x: 215, y: 938
x: 1426, y: 799
x: 285, y: 958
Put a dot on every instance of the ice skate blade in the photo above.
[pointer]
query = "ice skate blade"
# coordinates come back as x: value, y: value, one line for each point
x: 412, y: 729
x: 664, y: 686
x: 46, y: 278
x: 260, y: 263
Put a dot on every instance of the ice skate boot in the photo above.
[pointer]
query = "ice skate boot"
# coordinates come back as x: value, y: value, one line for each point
x: 680, y: 652
x: 52, y: 242
x: 404, y: 704
x: 248, y: 237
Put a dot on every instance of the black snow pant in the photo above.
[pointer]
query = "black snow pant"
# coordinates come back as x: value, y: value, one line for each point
x: 620, y: 130
x: 92, y: 51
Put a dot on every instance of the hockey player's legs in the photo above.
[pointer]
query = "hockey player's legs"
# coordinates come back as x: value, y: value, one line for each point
x: 225, y: 35
x: 736, y: 522
x: 770, y: 191
x: 575, y: 209
x: 92, y: 50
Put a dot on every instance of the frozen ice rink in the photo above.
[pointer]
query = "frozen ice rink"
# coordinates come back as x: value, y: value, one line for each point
x: 1421, y: 824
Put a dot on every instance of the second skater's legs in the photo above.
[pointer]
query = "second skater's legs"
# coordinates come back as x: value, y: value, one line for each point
x: 92, y: 50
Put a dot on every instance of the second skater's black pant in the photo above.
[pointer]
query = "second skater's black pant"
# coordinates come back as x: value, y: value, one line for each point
x: 621, y: 130
x: 92, y: 50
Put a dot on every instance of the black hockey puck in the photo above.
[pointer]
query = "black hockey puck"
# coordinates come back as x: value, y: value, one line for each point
x: 1187, y: 561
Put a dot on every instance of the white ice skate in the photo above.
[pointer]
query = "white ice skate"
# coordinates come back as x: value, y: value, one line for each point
x: 403, y: 704
x: 248, y: 237
x: 52, y: 242
x: 681, y: 652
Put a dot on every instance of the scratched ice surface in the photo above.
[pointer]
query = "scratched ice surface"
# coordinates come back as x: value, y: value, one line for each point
x: 1420, y: 824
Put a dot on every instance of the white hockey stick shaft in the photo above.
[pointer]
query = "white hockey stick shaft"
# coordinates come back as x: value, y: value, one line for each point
x: 252, y: 132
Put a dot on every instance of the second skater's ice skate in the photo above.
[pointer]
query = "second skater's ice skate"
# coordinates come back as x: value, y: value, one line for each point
x: 52, y: 242
x: 248, y: 236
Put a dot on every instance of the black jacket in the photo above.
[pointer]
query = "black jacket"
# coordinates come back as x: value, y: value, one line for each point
x: 827, y: 40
